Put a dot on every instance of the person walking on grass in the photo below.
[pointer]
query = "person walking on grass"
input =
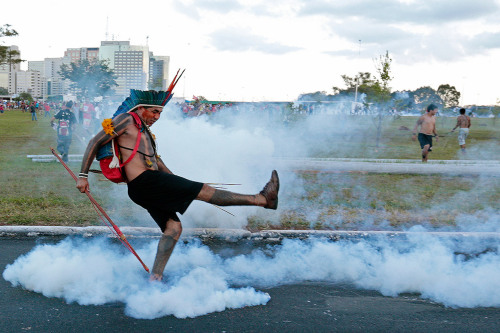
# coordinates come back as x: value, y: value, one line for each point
x: 33, y: 112
x: 150, y: 182
x: 427, y: 124
x: 66, y: 121
x: 463, y: 122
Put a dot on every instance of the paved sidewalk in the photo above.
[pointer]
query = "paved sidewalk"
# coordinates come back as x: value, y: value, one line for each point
x: 475, y: 167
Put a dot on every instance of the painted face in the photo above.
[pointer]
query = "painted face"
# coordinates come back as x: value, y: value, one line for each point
x: 151, y: 114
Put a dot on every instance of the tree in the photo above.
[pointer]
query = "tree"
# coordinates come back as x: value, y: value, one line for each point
x: 381, y: 92
x: 317, y: 96
x: 24, y: 96
x: 402, y: 100
x: 424, y: 96
x: 363, y: 80
x: 449, y: 95
x: 90, y: 79
x: 376, y: 90
x: 3, y: 91
x: 8, y: 56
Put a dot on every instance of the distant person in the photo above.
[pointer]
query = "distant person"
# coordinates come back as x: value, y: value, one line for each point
x: 1, y: 108
x: 46, y: 107
x: 427, y: 123
x: 66, y: 123
x: 33, y: 112
x: 463, y: 122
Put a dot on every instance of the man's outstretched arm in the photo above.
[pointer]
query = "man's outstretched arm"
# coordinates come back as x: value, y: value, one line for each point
x: 120, y: 124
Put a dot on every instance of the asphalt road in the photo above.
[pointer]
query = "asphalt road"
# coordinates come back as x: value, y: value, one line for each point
x: 304, y: 307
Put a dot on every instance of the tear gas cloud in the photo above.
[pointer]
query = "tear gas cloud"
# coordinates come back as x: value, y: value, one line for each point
x: 242, y: 144
x: 199, y: 281
x: 239, y: 145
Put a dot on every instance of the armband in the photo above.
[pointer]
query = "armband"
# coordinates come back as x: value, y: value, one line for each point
x: 83, y: 175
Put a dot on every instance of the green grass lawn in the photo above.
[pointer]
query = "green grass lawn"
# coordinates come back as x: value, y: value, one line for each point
x: 396, y: 143
x: 44, y: 194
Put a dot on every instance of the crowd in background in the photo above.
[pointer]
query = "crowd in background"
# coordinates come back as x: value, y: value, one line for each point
x: 88, y: 115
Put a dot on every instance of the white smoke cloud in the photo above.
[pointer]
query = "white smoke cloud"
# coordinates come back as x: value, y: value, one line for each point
x: 199, y: 281
x: 95, y: 272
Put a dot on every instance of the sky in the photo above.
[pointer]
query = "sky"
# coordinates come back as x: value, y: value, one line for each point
x: 255, y: 50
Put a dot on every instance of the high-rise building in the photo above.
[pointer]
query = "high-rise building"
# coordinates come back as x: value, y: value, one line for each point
x: 134, y: 66
x: 37, y: 66
x: 82, y: 53
x: 54, y: 83
x: 29, y: 82
x: 159, y: 67
x: 129, y: 62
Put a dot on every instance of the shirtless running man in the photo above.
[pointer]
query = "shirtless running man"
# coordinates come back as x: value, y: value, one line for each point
x: 463, y: 122
x: 427, y: 123
x: 152, y: 185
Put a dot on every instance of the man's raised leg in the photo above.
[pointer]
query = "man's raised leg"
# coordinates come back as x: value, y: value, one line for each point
x: 267, y: 198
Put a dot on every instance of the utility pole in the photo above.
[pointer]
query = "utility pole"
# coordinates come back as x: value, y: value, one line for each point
x: 357, y: 77
x: 107, y: 27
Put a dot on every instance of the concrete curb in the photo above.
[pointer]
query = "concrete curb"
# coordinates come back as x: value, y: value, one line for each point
x: 228, y: 235
x: 491, y: 168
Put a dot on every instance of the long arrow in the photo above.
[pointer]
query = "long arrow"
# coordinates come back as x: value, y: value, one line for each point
x: 113, y: 226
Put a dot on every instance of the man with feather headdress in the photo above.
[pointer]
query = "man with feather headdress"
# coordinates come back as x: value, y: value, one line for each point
x: 150, y: 182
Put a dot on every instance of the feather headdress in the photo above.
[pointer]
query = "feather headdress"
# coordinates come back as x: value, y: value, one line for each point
x: 148, y: 97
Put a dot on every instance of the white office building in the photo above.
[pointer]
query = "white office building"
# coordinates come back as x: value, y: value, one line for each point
x: 82, y: 53
x: 37, y: 66
x: 28, y: 82
x: 129, y: 62
x: 54, y: 83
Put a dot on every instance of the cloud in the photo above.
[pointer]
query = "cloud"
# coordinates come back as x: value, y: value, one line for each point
x: 187, y: 10
x: 195, y: 9
x: 239, y: 40
x: 221, y: 6
x: 412, y: 31
x: 394, y: 11
x: 485, y: 40
x: 371, y: 32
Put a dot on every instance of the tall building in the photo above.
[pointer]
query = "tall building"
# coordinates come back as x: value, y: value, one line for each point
x: 134, y: 66
x: 82, y: 53
x: 54, y: 83
x: 159, y: 67
x: 29, y: 82
x: 129, y: 62
x: 37, y: 66
x: 6, y: 70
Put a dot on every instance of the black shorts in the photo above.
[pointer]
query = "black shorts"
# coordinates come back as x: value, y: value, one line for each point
x: 163, y: 195
x: 424, y: 139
